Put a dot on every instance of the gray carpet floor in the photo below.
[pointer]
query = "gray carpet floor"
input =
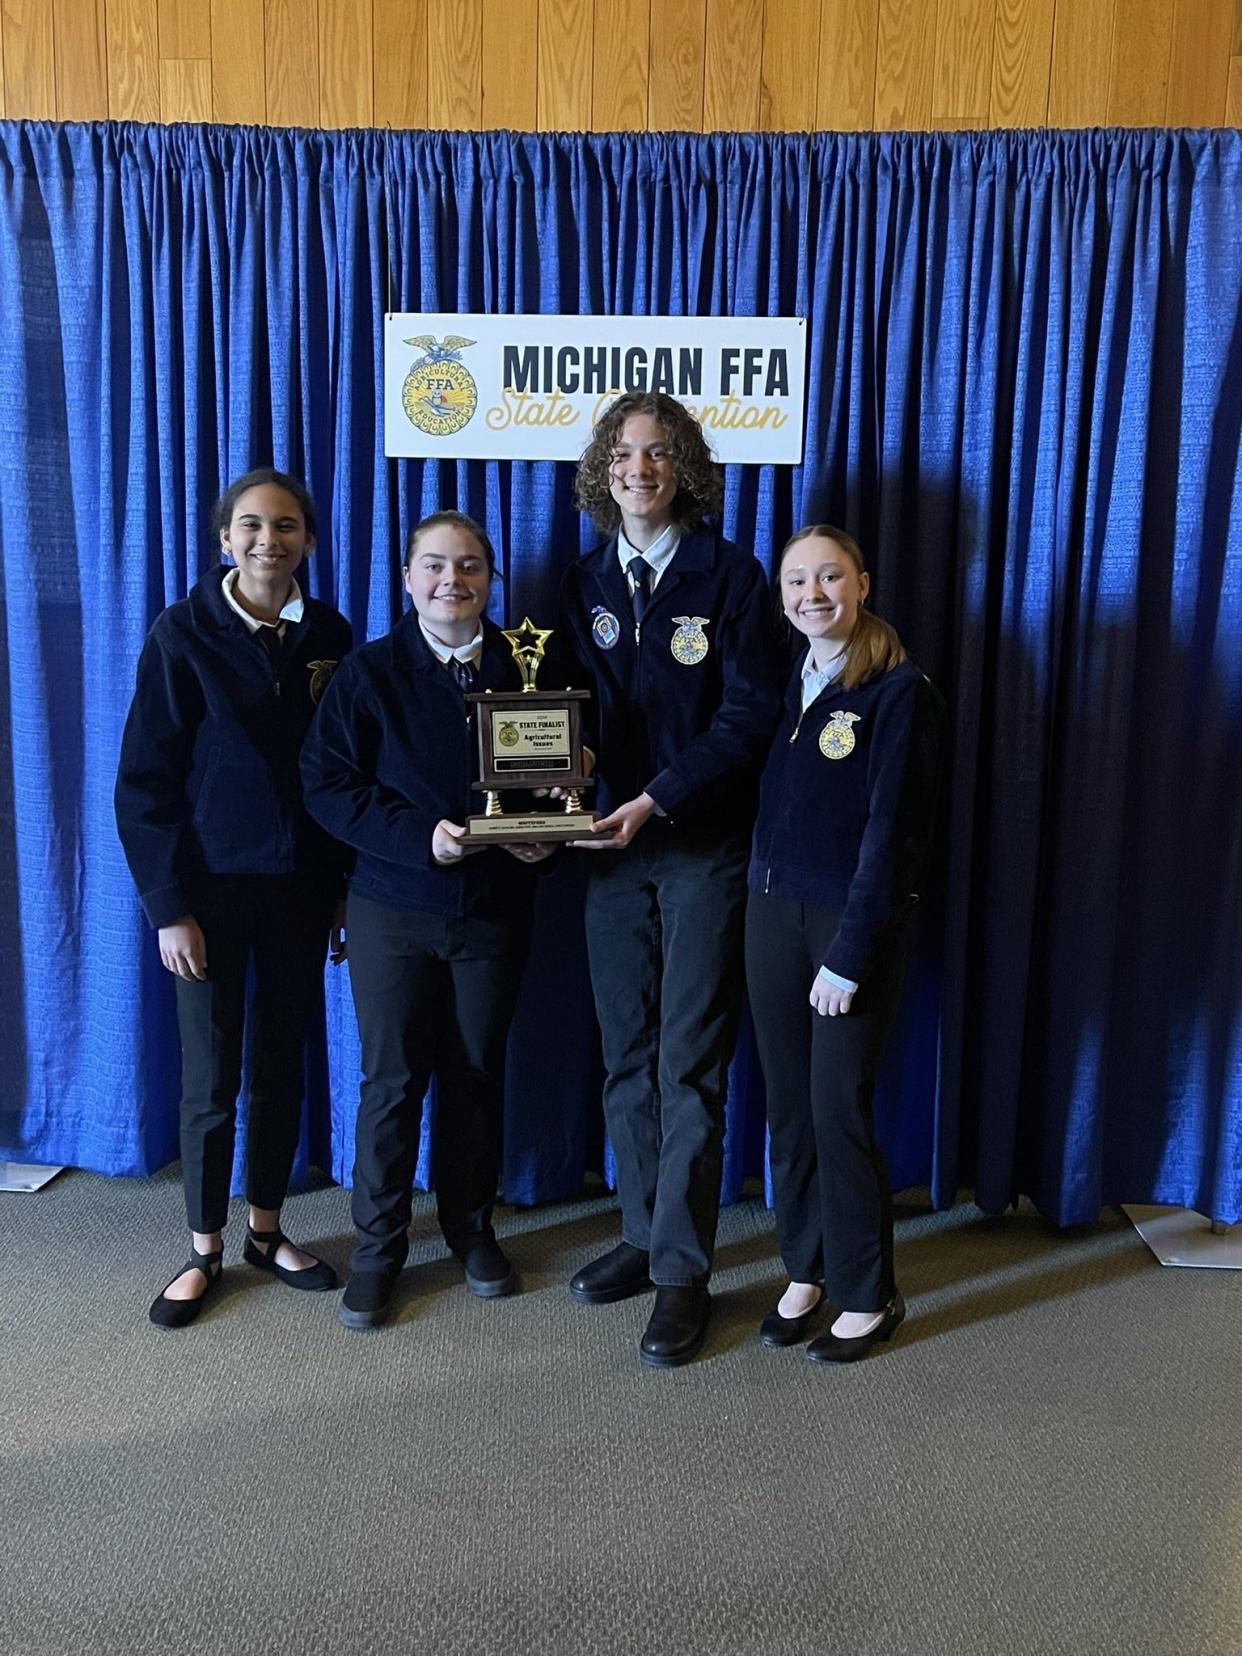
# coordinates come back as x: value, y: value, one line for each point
x: 1045, y: 1460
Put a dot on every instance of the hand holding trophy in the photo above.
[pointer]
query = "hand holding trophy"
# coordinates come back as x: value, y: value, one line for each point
x: 530, y: 739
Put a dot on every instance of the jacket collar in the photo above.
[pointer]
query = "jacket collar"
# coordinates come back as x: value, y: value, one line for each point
x: 413, y: 653
x: 698, y: 552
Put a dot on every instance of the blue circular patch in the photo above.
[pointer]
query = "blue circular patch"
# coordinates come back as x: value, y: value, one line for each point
x: 605, y: 628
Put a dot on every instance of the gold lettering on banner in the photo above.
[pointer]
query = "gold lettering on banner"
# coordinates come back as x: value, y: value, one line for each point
x: 729, y: 414
x: 520, y: 408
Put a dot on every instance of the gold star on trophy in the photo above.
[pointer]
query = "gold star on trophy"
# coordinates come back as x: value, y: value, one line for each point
x: 527, y: 643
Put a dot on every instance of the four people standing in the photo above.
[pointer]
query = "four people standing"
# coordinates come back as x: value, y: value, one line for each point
x: 671, y: 628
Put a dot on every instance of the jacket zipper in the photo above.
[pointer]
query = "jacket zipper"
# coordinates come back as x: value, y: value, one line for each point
x: 767, y: 878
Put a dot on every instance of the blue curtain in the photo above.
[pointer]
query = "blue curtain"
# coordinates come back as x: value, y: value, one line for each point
x: 1024, y: 399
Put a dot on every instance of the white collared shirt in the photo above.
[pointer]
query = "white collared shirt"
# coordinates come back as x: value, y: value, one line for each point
x: 815, y: 679
x: 658, y: 555
x: 444, y: 653
x: 292, y: 611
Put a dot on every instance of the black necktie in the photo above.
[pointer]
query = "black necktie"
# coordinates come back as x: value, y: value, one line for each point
x: 463, y: 672
x: 640, y: 573
x: 270, y: 639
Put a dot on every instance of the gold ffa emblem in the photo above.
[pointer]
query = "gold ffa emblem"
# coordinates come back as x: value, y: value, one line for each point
x: 836, y: 739
x: 508, y: 736
x: 439, y: 395
x: 689, y: 644
x: 320, y: 674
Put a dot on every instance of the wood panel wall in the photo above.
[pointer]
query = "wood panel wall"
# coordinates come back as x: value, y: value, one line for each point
x: 603, y: 65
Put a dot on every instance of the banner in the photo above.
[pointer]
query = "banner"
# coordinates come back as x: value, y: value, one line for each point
x: 474, y: 387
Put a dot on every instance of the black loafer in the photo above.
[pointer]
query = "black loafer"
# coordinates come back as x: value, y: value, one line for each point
x: 831, y: 1348
x: 488, y: 1271
x: 367, y: 1299
x: 614, y: 1276
x: 678, y: 1324
x: 776, y: 1331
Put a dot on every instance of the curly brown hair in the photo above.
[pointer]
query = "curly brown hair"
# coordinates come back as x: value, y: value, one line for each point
x: 700, y: 490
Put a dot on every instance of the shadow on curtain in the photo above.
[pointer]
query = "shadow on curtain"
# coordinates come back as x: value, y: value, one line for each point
x: 1024, y: 399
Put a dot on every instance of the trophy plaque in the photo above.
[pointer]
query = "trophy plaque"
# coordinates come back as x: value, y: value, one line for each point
x: 530, y: 738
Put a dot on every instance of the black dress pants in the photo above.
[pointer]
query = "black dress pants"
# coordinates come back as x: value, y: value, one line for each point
x: 834, y: 1211
x: 433, y: 996
x: 664, y: 936
x: 277, y: 924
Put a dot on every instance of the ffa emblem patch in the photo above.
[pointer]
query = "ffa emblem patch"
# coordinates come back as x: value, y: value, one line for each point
x: 605, y: 628
x: 439, y: 395
x: 689, y: 644
x: 320, y: 673
x: 836, y: 739
x: 508, y: 736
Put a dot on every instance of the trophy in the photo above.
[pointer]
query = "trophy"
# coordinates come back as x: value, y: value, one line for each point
x: 530, y: 738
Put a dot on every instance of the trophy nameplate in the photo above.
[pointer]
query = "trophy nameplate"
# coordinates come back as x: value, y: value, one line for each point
x: 530, y: 738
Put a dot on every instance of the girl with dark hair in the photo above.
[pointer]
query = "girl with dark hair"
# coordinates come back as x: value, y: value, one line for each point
x: 845, y: 817
x: 438, y: 928
x: 670, y: 622
x: 231, y: 872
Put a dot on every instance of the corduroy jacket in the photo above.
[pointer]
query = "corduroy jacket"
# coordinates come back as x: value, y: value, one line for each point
x: 846, y: 806
x: 208, y: 781
x: 390, y: 754
x: 686, y: 711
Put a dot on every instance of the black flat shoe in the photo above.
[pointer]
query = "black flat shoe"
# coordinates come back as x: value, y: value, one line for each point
x: 488, y: 1271
x: 831, y: 1348
x: 614, y: 1276
x: 171, y: 1313
x: 678, y: 1324
x: 776, y: 1331
x: 367, y: 1299
x: 316, y: 1277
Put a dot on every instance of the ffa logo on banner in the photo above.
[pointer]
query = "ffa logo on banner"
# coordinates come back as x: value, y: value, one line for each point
x: 439, y: 395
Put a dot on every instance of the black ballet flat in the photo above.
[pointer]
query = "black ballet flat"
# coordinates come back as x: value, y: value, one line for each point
x: 830, y: 1348
x: 776, y: 1331
x: 171, y: 1313
x: 316, y: 1277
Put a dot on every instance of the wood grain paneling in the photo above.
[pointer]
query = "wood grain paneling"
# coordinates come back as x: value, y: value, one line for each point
x: 963, y: 83
x: 1199, y: 62
x: 185, y: 89
x: 621, y: 58
x: 565, y: 30
x: 511, y: 64
x: 675, y: 83
x: 29, y: 60
x: 399, y: 44
x: 1082, y: 39
x: 346, y: 75
x: 787, y: 88
x: 845, y: 100
x: 2, y: 101
x: 291, y: 52
x: 1021, y: 63
x: 184, y: 29
x: 455, y: 64
x: 628, y: 65
x: 904, y: 64
x: 81, y: 59
x: 1233, y: 98
x: 733, y: 65
x: 1138, y: 77
x: 238, y: 61
x: 133, y: 60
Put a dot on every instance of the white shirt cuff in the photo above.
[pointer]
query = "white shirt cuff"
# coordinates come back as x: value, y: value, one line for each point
x: 838, y: 982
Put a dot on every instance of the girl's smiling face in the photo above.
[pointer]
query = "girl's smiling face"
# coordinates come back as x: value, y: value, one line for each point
x: 822, y: 588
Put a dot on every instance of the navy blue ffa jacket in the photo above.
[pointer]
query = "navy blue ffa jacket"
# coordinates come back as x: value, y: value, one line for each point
x: 684, y: 712
x: 391, y: 753
x: 846, y: 806
x: 208, y: 781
